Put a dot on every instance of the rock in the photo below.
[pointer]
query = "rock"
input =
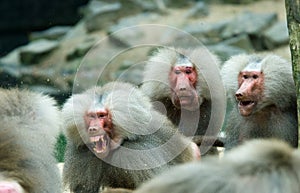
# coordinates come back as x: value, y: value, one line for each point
x: 128, y: 72
x: 178, y: 4
x: 225, y: 51
x: 250, y: 23
x: 133, y: 20
x: 81, y: 49
x: 12, y: 57
x: 135, y: 35
x: 147, y: 5
x: 276, y: 35
x: 239, y: 1
x: 208, y: 33
x: 242, y: 41
x: 200, y: 9
x: 99, y: 14
x: 151, y: 5
x: 53, y: 33
x: 9, y: 75
x: 253, y: 24
x: 34, y: 52
x: 46, y: 81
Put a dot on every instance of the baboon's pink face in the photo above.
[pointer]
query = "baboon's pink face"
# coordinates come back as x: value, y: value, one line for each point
x: 250, y: 91
x: 183, y: 80
x: 100, y: 130
x: 10, y: 187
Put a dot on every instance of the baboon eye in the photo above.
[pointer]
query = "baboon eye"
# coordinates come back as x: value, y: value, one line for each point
x: 188, y: 71
x: 92, y: 116
x: 101, y: 115
x: 177, y: 71
x: 255, y: 76
x: 245, y: 76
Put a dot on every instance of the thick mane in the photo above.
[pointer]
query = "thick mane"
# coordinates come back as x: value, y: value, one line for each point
x: 126, y: 103
x: 275, y: 69
x: 279, y: 81
x: 73, y: 114
x: 157, y: 87
x: 27, y: 108
x: 257, y: 166
x: 275, y: 153
x: 230, y: 72
x: 156, y: 74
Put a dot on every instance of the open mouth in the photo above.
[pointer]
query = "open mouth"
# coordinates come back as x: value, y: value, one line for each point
x: 246, y: 103
x: 246, y: 107
x: 99, y: 143
x: 185, y: 99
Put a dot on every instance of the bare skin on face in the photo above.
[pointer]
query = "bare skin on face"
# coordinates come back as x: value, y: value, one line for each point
x: 183, y: 80
x: 10, y: 187
x: 251, y: 90
x: 100, y: 131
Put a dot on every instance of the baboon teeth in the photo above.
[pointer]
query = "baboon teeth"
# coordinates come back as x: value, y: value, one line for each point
x: 94, y: 139
x: 99, y: 143
x: 246, y: 103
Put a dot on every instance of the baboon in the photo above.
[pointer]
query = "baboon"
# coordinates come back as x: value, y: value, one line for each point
x: 115, y: 139
x: 262, y: 91
x: 30, y: 123
x: 177, y: 80
x: 259, y: 165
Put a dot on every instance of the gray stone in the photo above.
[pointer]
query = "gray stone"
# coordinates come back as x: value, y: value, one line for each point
x: 99, y: 15
x: 178, y: 4
x: 34, y: 52
x: 132, y: 36
x: 249, y: 23
x: 241, y: 41
x: 14, y: 75
x: 132, y: 75
x: 133, y: 20
x: 208, y: 33
x: 81, y: 49
x: 225, y: 51
x: 276, y: 35
x: 239, y: 1
x: 150, y: 5
x: 200, y: 9
x: 53, y: 33
x: 9, y: 75
x: 99, y: 7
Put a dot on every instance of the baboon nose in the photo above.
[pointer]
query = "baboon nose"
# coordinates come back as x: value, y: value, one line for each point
x: 238, y: 95
x: 182, y: 88
x: 92, y: 129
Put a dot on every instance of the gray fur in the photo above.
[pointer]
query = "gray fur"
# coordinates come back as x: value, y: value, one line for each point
x: 30, y: 123
x: 275, y: 115
x: 156, y: 83
x: 137, y: 123
x: 258, y: 166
